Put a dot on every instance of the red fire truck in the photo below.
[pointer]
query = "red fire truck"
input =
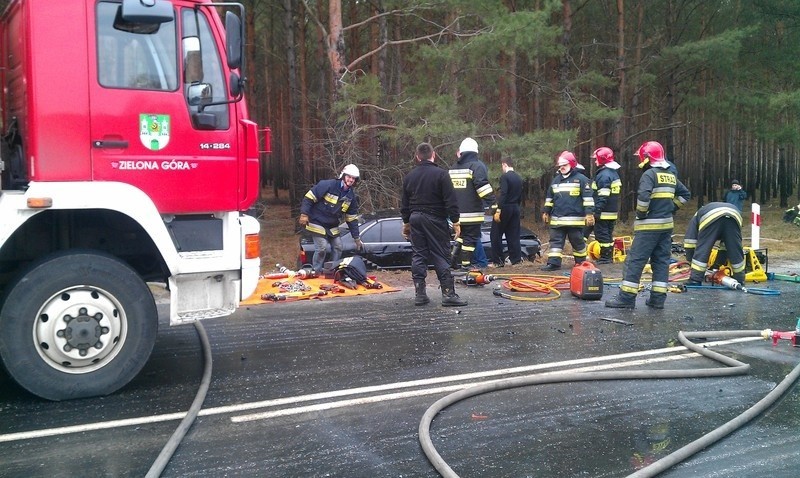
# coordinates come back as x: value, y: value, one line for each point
x: 127, y: 159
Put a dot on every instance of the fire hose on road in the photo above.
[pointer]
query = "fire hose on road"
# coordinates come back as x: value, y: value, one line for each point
x: 734, y: 367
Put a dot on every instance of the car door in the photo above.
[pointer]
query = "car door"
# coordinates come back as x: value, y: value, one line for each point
x: 396, y: 248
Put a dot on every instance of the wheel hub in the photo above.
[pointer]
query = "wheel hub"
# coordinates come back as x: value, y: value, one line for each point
x: 83, y: 332
x: 80, y: 329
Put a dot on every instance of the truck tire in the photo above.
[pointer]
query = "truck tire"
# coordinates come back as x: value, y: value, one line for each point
x: 77, y: 324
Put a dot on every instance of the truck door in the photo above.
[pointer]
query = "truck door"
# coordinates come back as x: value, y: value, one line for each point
x: 144, y: 129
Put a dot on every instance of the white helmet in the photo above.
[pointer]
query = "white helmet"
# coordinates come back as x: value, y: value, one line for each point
x: 468, y: 144
x: 350, y: 170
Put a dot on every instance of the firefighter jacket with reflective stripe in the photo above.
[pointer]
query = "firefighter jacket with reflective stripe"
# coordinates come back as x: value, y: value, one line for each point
x: 660, y: 195
x: 569, y: 200
x: 326, y: 204
x: 606, y: 186
x: 473, y: 191
x: 704, y: 217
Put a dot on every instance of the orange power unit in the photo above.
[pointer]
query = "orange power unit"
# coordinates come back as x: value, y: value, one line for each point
x: 586, y: 281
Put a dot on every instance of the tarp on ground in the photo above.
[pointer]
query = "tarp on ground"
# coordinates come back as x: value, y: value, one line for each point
x: 271, y: 291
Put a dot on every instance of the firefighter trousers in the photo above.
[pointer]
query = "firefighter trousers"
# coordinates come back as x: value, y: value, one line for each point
x: 558, y: 237
x: 727, y: 231
x: 652, y: 246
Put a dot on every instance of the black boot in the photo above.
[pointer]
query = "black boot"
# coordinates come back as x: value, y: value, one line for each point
x: 623, y: 300
x: 656, y: 300
x: 550, y: 267
x: 421, y: 297
x: 449, y: 296
x: 606, y: 255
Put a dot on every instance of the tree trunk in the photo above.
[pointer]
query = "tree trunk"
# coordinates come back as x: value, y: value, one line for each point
x: 295, y: 153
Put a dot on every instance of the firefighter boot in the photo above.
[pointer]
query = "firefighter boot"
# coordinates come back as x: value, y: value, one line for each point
x: 449, y: 296
x: 623, y: 300
x: 656, y: 300
x: 552, y: 265
x: 421, y: 297
x: 606, y: 255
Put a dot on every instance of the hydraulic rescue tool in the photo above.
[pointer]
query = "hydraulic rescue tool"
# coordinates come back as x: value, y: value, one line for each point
x: 720, y: 278
x: 293, y: 295
x: 476, y: 278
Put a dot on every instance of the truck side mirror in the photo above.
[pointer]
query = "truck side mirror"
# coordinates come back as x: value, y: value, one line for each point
x: 199, y: 94
x: 233, y: 43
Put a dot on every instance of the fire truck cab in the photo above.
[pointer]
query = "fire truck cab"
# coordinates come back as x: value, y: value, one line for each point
x: 127, y: 158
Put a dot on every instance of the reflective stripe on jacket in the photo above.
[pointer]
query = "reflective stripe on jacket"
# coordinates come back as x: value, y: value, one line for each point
x: 660, y: 195
x: 569, y: 200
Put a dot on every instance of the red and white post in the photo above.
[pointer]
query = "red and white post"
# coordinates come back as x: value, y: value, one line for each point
x: 755, y: 227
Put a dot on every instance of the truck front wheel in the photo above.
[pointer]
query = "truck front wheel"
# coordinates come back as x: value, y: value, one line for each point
x: 77, y: 324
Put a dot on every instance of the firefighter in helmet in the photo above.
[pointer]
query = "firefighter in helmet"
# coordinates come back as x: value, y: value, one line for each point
x: 606, y: 186
x: 660, y: 194
x: 322, y: 210
x: 568, y: 207
x: 475, y: 197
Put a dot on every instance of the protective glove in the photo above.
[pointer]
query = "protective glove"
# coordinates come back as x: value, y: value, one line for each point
x: 457, y: 230
x: 406, y: 230
x: 303, y: 220
x: 497, y: 216
x: 590, y: 220
x: 546, y: 218
x: 359, y: 245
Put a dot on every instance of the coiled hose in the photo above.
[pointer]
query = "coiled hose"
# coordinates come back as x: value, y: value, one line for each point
x: 734, y: 367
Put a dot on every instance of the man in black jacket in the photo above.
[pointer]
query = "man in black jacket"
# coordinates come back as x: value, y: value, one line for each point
x: 507, y: 216
x: 428, y: 201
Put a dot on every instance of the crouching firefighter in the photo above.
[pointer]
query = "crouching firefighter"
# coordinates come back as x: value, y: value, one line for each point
x: 322, y: 210
x: 428, y: 200
x: 716, y: 221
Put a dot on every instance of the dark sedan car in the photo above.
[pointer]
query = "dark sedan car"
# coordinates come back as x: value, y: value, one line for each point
x: 385, y: 247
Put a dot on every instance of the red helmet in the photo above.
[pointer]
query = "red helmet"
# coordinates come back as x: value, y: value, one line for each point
x: 650, y: 152
x: 603, y: 156
x: 566, y: 158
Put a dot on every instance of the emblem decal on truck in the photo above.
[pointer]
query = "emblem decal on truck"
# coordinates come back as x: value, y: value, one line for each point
x: 154, y: 131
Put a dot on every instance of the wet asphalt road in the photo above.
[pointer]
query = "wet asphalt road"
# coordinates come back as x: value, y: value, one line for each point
x: 337, y: 388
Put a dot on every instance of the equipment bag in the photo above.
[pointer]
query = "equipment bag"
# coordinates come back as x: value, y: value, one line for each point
x: 352, y: 268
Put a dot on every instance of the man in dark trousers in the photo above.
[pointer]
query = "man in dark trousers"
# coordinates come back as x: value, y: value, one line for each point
x: 427, y: 202
x: 606, y: 186
x: 507, y: 216
x: 716, y: 221
x: 660, y: 194
x: 568, y: 207
x: 475, y: 196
